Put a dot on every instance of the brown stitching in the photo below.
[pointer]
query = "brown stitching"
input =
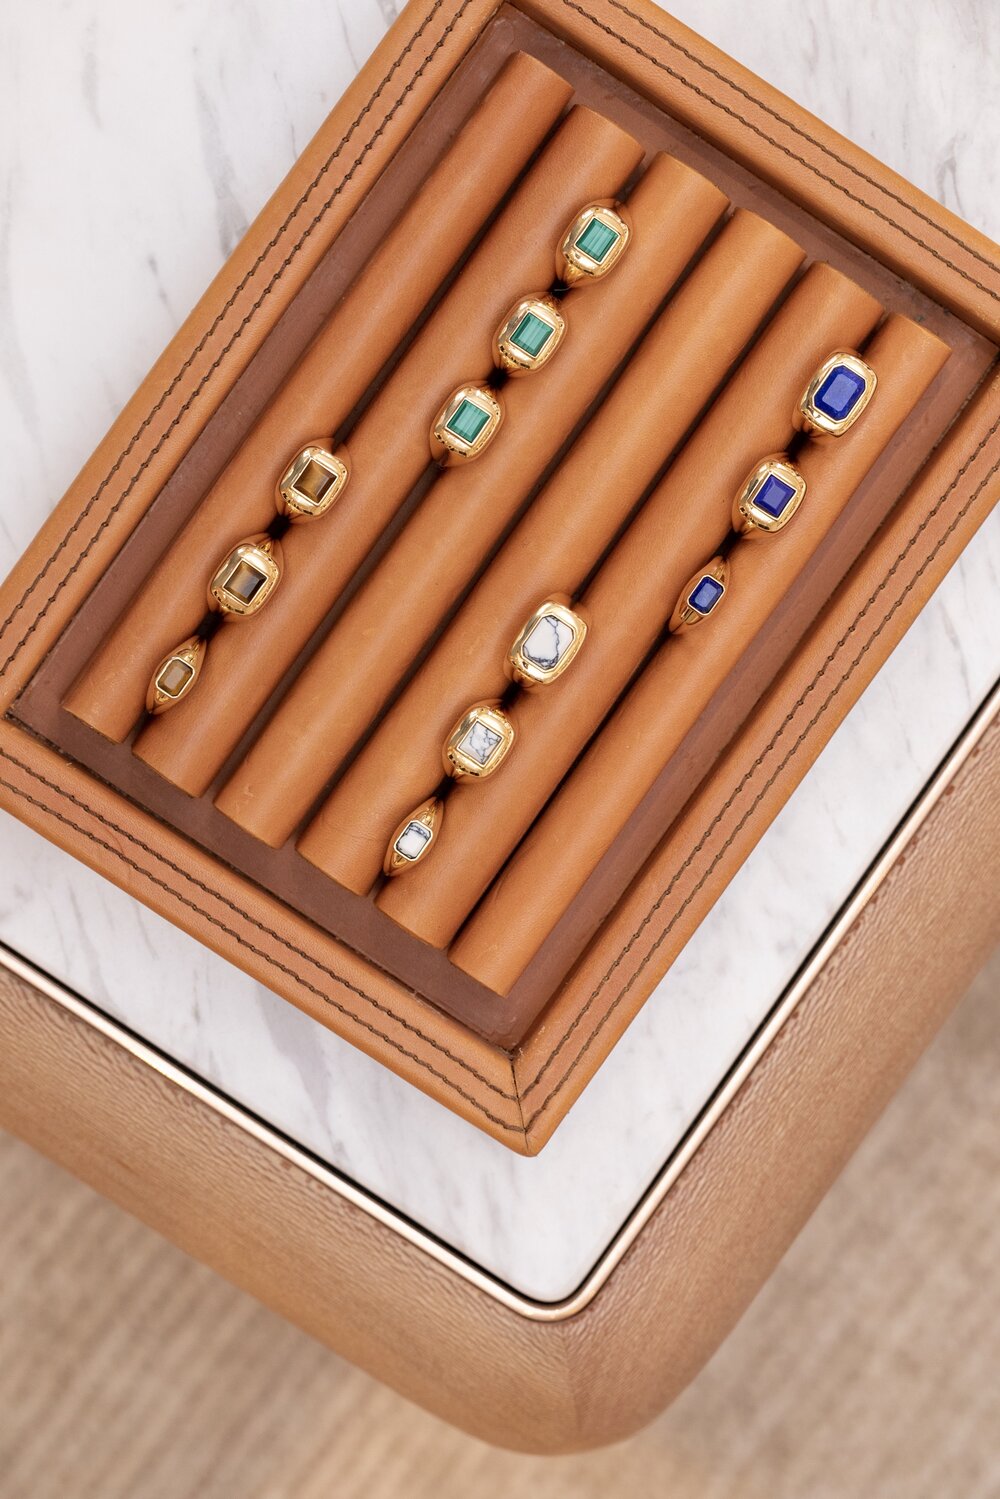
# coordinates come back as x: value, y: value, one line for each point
x: 244, y: 915
x: 841, y: 161
x: 778, y: 145
x: 748, y: 814
x: 309, y: 229
x: 220, y: 317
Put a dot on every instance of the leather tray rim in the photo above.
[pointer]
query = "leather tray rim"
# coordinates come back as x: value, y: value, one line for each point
x: 181, y: 1077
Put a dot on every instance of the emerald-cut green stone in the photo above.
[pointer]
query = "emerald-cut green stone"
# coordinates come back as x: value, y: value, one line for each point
x: 468, y: 421
x: 531, y: 335
x: 597, y: 240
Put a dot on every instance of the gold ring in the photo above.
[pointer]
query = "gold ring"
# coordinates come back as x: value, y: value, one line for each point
x: 835, y: 397
x: 246, y: 578
x: 546, y: 643
x: 529, y: 335
x: 701, y: 595
x: 479, y: 743
x: 313, y: 481
x: 593, y: 244
x: 175, y: 676
x: 466, y: 424
x: 769, y: 497
x: 414, y: 837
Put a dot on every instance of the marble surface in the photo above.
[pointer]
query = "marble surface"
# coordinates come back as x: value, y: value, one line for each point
x: 100, y: 258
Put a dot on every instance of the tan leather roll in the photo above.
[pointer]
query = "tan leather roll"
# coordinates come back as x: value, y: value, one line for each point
x: 588, y: 157
x: 596, y: 801
x: 446, y: 212
x: 627, y: 601
x: 682, y: 360
x: 444, y: 544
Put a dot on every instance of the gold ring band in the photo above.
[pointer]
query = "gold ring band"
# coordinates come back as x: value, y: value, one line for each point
x: 313, y: 482
x: 769, y: 497
x: 546, y: 644
x: 414, y: 837
x: 479, y: 743
x: 466, y: 424
x: 593, y: 243
x: 701, y: 595
x: 838, y: 393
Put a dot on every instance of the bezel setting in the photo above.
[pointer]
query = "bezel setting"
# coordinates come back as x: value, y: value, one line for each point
x: 575, y: 262
x: 312, y: 483
x: 690, y: 610
x: 749, y: 514
x: 246, y: 578
x: 523, y: 321
x: 524, y: 665
x: 479, y: 743
x: 175, y: 676
x: 820, y: 424
x: 449, y: 442
x: 414, y: 838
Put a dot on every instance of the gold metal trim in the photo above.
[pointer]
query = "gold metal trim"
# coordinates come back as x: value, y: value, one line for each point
x: 815, y: 423
x: 525, y: 1306
x: 460, y: 758
x: 685, y: 615
x: 514, y: 357
x: 527, y: 670
x: 748, y: 518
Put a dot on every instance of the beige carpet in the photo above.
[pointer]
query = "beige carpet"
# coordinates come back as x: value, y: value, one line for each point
x: 868, y: 1369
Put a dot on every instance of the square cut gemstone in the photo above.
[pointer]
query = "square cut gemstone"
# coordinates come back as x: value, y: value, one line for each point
x: 597, y: 240
x: 548, y: 642
x: 174, y: 677
x: 245, y: 581
x: 480, y: 743
x: 531, y: 334
x: 705, y: 594
x: 413, y: 840
x: 314, y: 481
x: 773, y: 496
x: 840, y: 393
x: 468, y: 421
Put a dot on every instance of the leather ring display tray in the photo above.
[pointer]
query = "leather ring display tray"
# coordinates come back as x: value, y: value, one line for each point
x: 499, y: 974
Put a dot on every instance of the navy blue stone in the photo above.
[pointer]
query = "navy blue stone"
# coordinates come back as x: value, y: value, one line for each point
x: 774, y: 496
x: 840, y: 393
x: 705, y: 594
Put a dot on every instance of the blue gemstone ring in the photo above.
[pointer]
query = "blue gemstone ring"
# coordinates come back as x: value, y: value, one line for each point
x: 769, y: 497
x: 701, y: 595
x: 836, y: 396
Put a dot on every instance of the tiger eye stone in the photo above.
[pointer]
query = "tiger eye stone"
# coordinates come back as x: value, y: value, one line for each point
x: 174, y: 676
x: 245, y: 582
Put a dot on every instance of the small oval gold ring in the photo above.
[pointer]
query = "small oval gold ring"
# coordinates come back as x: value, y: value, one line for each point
x: 701, y: 595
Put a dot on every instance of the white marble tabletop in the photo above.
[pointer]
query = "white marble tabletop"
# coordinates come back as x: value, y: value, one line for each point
x: 101, y: 257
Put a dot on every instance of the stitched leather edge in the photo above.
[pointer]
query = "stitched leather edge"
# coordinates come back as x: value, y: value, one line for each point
x: 572, y: 4
x: 236, y: 335
x: 758, y: 764
x: 779, y: 146
x: 229, y: 931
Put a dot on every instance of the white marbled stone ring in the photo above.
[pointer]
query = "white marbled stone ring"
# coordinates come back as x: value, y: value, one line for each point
x: 546, y: 644
x: 414, y: 838
x: 479, y: 743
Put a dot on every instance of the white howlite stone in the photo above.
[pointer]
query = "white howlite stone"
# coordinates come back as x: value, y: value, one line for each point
x: 548, y: 642
x: 413, y: 840
x: 480, y: 742
x: 232, y: 100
